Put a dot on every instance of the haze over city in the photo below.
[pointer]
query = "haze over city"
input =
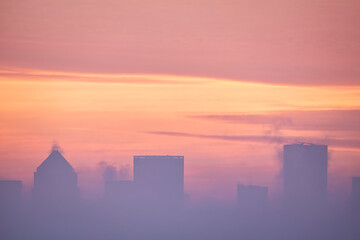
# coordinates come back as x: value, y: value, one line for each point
x: 223, y: 84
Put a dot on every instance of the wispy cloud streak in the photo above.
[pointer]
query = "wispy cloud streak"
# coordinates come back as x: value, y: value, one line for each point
x: 308, y: 120
x: 334, y: 142
x: 37, y: 75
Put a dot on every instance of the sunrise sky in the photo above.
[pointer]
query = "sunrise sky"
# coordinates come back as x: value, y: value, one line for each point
x: 224, y: 83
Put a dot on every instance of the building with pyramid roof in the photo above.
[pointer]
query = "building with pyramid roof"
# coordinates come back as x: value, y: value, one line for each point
x: 55, y: 181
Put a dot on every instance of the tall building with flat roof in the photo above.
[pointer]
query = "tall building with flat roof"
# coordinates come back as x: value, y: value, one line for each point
x: 10, y: 193
x: 355, y: 187
x: 11, y: 210
x: 160, y: 179
x: 305, y: 174
x: 355, y: 194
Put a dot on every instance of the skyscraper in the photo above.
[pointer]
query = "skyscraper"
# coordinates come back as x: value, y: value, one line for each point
x: 160, y: 179
x: 305, y: 175
x: 55, y: 181
x: 355, y: 188
x: 11, y: 210
x: 10, y: 193
x: 355, y: 194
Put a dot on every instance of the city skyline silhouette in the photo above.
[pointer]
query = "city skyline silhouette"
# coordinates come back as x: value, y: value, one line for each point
x: 181, y: 120
x: 155, y: 198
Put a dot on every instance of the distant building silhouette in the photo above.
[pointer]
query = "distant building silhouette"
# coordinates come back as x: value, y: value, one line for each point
x: 355, y: 194
x: 10, y: 193
x: 160, y: 179
x: 252, y: 199
x: 158, y: 182
x: 11, y: 219
x: 355, y: 188
x: 305, y: 175
x: 55, y: 181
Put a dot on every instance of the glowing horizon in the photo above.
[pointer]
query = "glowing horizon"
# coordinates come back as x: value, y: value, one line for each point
x: 117, y: 119
x: 210, y: 80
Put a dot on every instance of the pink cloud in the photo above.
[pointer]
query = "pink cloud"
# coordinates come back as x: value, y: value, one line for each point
x: 287, y: 42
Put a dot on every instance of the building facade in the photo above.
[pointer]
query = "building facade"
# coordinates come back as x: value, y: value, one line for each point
x: 160, y: 179
x: 305, y: 174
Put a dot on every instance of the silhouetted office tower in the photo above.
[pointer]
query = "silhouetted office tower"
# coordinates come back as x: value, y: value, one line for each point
x: 11, y: 217
x: 305, y: 175
x: 252, y: 199
x: 55, y: 181
x: 355, y: 194
x: 10, y: 193
x: 160, y: 179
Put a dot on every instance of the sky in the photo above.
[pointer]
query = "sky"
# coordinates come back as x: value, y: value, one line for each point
x: 224, y: 83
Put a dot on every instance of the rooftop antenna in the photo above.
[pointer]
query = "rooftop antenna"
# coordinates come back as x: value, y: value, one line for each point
x: 56, y: 148
x: 302, y: 143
